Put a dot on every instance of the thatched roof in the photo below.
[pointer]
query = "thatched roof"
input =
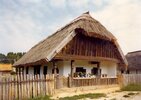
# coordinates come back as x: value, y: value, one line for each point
x: 134, y: 60
x: 5, y: 67
x: 48, y: 48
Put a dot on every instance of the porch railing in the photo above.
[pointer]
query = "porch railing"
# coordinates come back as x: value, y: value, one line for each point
x: 77, y: 82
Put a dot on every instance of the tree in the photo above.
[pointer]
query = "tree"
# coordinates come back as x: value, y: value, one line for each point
x: 10, y: 57
x: 2, y: 56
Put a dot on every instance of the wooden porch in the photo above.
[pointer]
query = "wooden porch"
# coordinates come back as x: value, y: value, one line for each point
x: 76, y: 82
x: 62, y: 82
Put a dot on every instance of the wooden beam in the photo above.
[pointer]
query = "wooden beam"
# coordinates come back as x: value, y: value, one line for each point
x: 89, y: 58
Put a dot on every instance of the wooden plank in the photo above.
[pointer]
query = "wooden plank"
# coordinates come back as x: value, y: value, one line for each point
x: 8, y: 88
x: 28, y: 86
x: 25, y: 86
x: 66, y: 57
x: 47, y: 89
x: 4, y: 94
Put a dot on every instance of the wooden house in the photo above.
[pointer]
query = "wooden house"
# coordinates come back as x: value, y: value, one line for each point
x: 134, y: 62
x: 82, y: 48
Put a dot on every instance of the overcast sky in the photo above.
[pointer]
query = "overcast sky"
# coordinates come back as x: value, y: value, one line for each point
x: 23, y: 23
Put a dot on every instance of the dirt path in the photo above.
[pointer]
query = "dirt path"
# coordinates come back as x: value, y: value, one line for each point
x: 112, y: 93
x: 84, y: 90
x: 122, y: 96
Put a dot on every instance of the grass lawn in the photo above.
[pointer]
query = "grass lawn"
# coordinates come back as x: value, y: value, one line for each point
x: 90, y: 95
x: 132, y: 87
x: 76, y: 97
x: 41, y: 98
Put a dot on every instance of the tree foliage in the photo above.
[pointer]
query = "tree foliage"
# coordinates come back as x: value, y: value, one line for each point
x: 2, y: 56
x: 11, y: 57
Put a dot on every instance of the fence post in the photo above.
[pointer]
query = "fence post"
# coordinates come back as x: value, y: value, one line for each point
x: 70, y: 81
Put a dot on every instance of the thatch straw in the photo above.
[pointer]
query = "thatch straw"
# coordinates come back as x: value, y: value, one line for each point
x: 42, y: 50
x: 134, y: 60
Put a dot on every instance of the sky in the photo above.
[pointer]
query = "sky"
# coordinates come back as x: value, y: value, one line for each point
x: 24, y: 23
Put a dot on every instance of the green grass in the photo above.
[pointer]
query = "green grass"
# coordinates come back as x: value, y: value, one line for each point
x: 132, y: 87
x: 90, y: 95
x: 41, y: 98
x: 76, y: 97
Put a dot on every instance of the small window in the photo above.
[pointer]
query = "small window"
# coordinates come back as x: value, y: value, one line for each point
x: 37, y: 70
x: 45, y: 70
x: 94, y: 71
x: 27, y: 70
x: 80, y: 71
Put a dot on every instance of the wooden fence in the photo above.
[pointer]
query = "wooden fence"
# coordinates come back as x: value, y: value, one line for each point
x: 24, y: 87
x: 77, y: 82
x: 61, y: 82
x: 126, y: 79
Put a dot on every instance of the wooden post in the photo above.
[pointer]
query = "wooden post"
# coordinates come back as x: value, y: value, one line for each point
x: 70, y: 81
x: 72, y: 68
x: 55, y: 74
x: 55, y: 67
x: 99, y: 72
x: 70, y: 78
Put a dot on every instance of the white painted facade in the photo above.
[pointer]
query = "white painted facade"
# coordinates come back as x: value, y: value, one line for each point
x: 107, y: 67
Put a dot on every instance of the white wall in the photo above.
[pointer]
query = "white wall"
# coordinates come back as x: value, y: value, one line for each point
x: 67, y: 68
x: 109, y: 68
x: 85, y: 64
x: 60, y: 66
x: 30, y: 70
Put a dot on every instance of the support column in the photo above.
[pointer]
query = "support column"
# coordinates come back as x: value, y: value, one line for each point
x: 99, y: 71
x: 72, y: 68
x: 55, y: 74
x: 71, y: 74
x: 55, y: 67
